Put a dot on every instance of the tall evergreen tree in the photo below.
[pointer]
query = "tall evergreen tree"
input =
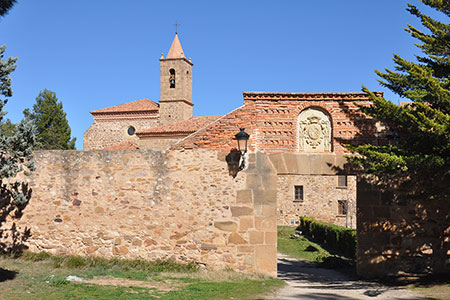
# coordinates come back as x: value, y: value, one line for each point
x: 15, y: 157
x: 6, y: 5
x: 51, y: 123
x: 417, y: 158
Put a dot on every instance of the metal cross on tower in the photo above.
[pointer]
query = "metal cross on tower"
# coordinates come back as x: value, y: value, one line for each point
x: 176, y: 27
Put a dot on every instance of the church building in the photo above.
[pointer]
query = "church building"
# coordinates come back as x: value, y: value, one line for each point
x: 305, y: 132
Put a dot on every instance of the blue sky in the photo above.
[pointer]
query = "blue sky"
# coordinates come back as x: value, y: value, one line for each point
x: 98, y: 53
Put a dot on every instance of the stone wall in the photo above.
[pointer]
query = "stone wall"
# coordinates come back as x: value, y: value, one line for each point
x: 105, y: 133
x: 321, y: 196
x: 146, y: 204
x: 401, y: 237
x: 318, y: 175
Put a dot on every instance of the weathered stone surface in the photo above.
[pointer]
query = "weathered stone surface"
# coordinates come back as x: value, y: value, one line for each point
x: 244, y: 196
x: 266, y: 259
x: 277, y: 160
x: 120, y: 250
x: 256, y: 237
x: 208, y: 247
x: 235, y: 238
x: 226, y: 225
x: 237, y: 211
x: 265, y: 197
x: 145, y: 204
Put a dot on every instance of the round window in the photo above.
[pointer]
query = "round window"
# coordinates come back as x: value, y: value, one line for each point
x: 131, y: 130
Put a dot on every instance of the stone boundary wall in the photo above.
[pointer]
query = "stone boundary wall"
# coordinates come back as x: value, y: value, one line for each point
x: 400, y: 236
x: 146, y: 204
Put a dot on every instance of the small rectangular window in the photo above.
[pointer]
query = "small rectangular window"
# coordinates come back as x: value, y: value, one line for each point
x: 298, y: 193
x: 342, y: 181
x: 342, y: 207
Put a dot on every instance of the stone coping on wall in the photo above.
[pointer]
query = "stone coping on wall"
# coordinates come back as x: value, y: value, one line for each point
x: 287, y: 163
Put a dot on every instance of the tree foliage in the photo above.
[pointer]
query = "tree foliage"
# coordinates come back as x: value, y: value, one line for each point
x: 52, y: 127
x: 416, y: 158
x: 15, y: 160
x: 6, y: 5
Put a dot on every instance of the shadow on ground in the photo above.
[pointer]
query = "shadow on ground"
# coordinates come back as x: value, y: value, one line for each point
x: 314, y: 283
x: 7, y: 275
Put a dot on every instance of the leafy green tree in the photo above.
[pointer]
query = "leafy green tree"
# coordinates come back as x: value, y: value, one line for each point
x: 6, y: 5
x: 416, y: 158
x: 51, y: 123
x: 15, y: 159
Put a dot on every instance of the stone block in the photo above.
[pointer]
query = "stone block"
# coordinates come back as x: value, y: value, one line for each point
x: 292, y: 166
x: 237, y: 211
x: 235, y: 238
x: 277, y: 161
x: 244, y: 196
x: 269, y: 210
x: 265, y: 197
x: 263, y: 164
x: 208, y: 247
x: 256, y: 237
x: 270, y: 238
x: 253, y: 181
x: 266, y: 259
x: 120, y: 250
x: 245, y: 223
x: 226, y: 226
x: 269, y: 182
x: 322, y: 164
x: 246, y: 249
x: 266, y: 223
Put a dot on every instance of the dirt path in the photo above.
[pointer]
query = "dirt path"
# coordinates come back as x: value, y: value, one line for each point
x: 305, y: 281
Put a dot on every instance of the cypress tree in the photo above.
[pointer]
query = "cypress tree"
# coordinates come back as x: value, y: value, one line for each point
x: 52, y: 127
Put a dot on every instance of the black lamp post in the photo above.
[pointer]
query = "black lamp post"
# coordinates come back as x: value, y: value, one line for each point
x: 242, y: 139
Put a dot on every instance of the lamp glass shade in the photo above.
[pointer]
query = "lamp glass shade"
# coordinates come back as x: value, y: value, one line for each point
x: 242, y: 146
x: 242, y: 139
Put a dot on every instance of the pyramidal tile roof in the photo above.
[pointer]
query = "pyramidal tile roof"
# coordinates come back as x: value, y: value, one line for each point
x: 135, y: 106
x: 175, y: 50
x: 187, y: 126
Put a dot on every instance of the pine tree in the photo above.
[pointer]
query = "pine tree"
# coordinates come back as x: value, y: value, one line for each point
x: 6, y: 5
x: 51, y: 123
x: 416, y: 160
x: 15, y: 159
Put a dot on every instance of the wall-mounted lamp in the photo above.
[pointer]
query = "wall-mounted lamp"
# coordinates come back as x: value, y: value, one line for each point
x: 242, y: 140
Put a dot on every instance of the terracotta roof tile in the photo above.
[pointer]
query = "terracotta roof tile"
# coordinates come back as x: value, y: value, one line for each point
x: 123, y: 146
x: 135, y: 106
x: 187, y: 126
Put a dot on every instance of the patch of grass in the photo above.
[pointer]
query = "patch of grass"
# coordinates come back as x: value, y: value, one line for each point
x: 38, y: 278
x: 79, y: 262
x: 299, y: 247
x: 433, y: 291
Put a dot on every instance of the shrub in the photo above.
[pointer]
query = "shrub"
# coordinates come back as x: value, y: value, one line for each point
x: 334, y: 238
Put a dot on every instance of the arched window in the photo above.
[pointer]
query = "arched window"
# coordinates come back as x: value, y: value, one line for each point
x: 172, y: 78
x: 314, y: 131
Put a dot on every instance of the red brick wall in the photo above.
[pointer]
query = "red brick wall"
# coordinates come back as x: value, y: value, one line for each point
x: 271, y: 121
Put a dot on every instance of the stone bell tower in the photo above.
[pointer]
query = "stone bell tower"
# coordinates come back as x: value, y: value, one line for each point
x: 176, y: 85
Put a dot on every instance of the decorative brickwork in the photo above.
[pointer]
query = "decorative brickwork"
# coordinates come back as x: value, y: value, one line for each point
x: 272, y: 121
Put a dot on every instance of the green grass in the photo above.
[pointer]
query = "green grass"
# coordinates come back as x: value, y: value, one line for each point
x: 295, y: 247
x: 42, y: 276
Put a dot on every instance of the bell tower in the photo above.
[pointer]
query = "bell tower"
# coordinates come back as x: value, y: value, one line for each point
x: 176, y: 85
